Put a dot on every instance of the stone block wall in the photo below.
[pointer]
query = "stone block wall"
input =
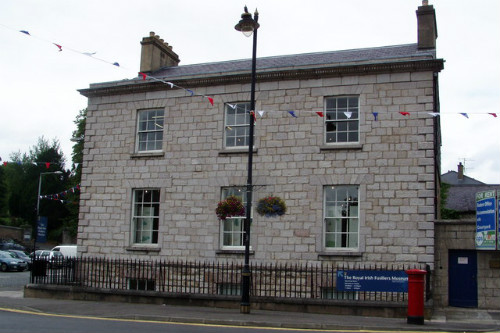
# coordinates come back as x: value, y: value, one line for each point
x: 393, y: 166
x: 460, y: 235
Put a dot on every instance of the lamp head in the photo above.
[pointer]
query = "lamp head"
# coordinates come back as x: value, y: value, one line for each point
x: 247, y: 24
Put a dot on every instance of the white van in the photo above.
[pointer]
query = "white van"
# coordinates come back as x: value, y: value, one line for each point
x: 68, y: 251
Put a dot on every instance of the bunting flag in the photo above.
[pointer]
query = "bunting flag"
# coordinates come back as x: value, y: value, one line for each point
x: 465, y: 115
x: 143, y: 76
x: 405, y: 113
x: 348, y: 114
x: 25, y: 32
x: 59, y: 46
x: 319, y: 113
x: 211, y: 100
x: 292, y: 113
x: 254, y: 116
x: 375, y: 115
x: 493, y: 114
x: 261, y: 113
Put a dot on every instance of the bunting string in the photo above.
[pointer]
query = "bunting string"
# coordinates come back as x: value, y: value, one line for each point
x: 46, y: 164
x: 61, y: 195
x: 291, y: 113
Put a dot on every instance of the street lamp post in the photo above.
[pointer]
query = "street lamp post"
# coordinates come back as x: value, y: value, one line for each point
x: 38, y: 203
x: 247, y: 26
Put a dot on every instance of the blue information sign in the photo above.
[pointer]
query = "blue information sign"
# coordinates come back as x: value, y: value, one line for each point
x: 486, y: 226
x: 41, y: 230
x: 367, y: 280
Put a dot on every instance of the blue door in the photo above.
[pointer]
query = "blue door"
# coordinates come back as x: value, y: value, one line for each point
x: 462, y: 278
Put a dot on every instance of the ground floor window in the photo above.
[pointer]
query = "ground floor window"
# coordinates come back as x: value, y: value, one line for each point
x: 232, y: 229
x: 341, y: 209
x: 146, y: 216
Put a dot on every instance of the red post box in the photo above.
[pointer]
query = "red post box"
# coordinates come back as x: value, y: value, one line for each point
x: 416, y: 282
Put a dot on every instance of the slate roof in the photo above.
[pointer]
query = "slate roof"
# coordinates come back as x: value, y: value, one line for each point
x: 451, y: 177
x: 462, y: 198
x: 369, y: 55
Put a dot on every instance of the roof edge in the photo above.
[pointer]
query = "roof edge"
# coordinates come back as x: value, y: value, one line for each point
x: 314, y: 72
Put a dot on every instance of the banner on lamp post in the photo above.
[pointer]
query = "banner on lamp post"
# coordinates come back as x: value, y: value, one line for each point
x: 41, y: 230
x: 486, y: 220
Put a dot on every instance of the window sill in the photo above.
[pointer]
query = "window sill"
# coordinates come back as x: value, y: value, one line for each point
x: 148, y: 154
x: 234, y: 252
x: 340, y: 146
x: 228, y: 151
x: 143, y: 248
x: 333, y: 253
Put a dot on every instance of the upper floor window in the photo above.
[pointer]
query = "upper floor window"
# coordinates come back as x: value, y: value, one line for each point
x: 232, y: 228
x: 236, y: 125
x: 146, y: 216
x: 341, y: 207
x: 150, y: 130
x: 342, y: 119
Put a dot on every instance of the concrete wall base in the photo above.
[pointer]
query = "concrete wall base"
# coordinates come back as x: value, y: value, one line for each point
x: 337, y: 307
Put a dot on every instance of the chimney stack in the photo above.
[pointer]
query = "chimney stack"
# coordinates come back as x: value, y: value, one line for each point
x: 427, y: 27
x: 460, y: 175
x: 155, y: 54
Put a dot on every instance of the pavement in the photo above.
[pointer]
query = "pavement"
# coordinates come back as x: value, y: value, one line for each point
x: 444, y: 320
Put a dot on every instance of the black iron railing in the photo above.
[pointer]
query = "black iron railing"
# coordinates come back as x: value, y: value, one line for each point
x: 210, y: 278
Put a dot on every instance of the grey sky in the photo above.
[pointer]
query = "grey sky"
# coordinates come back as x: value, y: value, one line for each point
x: 39, y: 84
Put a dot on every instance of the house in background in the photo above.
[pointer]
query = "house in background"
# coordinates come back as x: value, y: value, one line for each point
x: 461, y: 193
x: 346, y: 138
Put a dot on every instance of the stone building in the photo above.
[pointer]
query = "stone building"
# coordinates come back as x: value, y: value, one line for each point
x: 346, y: 138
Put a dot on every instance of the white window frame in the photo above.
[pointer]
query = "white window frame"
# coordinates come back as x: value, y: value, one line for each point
x: 341, y: 229
x: 236, y: 125
x: 150, y: 130
x: 341, y: 120
x: 145, y: 216
x: 233, y: 227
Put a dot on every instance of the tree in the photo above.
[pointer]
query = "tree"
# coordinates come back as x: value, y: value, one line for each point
x: 73, y: 199
x: 22, y: 178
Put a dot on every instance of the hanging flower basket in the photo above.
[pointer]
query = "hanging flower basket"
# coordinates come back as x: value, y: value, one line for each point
x: 231, y: 206
x: 271, y: 206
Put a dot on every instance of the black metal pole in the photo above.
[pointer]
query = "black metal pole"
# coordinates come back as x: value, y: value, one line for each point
x: 246, y: 273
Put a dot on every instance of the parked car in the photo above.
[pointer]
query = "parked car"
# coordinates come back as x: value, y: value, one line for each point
x: 10, y: 245
x: 68, y: 251
x: 21, y: 255
x: 52, y: 258
x: 9, y: 263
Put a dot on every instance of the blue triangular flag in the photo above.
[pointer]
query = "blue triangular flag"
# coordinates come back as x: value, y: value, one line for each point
x: 292, y: 113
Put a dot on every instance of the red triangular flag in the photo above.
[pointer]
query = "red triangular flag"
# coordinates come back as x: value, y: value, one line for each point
x: 254, y: 116
x: 47, y: 165
x: 5, y: 163
x: 405, y: 113
x: 59, y: 46
x: 319, y: 113
x: 143, y: 76
x: 211, y: 100
x: 493, y: 114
